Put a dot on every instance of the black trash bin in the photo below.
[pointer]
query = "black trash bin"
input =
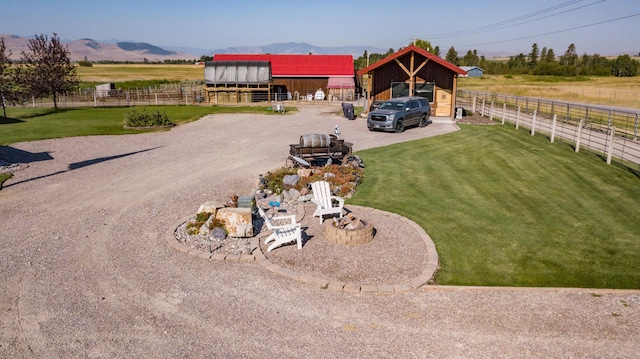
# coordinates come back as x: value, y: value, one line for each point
x: 348, y: 111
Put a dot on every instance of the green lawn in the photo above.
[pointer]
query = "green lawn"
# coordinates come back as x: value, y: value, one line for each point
x: 508, y: 209
x: 32, y: 124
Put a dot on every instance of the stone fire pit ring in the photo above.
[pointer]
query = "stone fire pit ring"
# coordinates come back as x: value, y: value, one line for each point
x: 347, y: 236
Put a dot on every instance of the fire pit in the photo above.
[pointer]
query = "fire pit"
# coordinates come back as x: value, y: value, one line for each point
x: 348, y: 230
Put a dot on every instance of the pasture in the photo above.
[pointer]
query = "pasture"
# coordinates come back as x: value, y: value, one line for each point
x: 610, y: 91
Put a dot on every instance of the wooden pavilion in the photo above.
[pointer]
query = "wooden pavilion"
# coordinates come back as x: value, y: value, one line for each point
x: 413, y: 71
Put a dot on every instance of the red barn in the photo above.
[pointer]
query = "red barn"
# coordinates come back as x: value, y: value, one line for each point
x: 303, y: 75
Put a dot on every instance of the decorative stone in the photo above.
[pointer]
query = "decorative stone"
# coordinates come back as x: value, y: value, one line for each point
x: 218, y: 233
x: 210, y: 207
x: 238, y: 221
x: 305, y: 172
x: 294, y: 194
x: 290, y: 181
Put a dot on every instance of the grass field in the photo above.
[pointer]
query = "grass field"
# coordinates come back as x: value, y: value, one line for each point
x: 505, y: 208
x: 103, y: 73
x: 612, y: 91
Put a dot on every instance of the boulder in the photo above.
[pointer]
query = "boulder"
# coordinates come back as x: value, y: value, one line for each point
x: 290, y: 181
x: 294, y: 194
x: 210, y: 207
x: 305, y: 172
x: 238, y: 221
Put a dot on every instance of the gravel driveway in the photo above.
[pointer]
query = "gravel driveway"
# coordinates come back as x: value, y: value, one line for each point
x: 85, y: 271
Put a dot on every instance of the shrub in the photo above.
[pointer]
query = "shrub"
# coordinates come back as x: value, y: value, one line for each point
x: 147, y: 119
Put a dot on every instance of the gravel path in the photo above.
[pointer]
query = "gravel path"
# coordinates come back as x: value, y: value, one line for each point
x: 85, y: 270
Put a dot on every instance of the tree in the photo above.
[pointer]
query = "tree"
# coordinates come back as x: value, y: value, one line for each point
x: 533, y: 56
x: 452, y: 56
x: 423, y: 44
x: 471, y: 58
x: 551, y: 56
x: 570, y: 56
x: 624, y: 66
x: 7, y: 78
x: 48, y: 70
x: 436, y: 50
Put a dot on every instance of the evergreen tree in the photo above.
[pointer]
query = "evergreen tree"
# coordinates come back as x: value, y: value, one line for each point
x: 533, y: 56
x: 452, y: 56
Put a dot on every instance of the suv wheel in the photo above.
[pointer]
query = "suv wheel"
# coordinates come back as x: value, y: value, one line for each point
x: 423, y: 121
x: 399, y: 126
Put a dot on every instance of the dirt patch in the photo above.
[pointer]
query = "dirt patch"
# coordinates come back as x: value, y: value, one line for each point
x: 475, y: 119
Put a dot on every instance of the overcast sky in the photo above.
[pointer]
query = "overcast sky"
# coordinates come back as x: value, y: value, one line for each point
x: 606, y: 27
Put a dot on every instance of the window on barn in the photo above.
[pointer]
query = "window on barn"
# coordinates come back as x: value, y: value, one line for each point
x: 401, y: 89
x: 425, y: 90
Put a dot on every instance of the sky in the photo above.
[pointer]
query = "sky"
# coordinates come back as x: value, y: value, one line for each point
x: 605, y: 27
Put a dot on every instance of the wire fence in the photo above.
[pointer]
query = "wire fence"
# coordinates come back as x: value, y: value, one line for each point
x: 612, y: 132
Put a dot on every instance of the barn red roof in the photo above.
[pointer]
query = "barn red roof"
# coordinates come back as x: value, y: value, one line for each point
x: 299, y: 65
x: 418, y: 50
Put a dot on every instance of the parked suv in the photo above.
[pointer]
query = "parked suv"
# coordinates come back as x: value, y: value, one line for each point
x: 398, y: 113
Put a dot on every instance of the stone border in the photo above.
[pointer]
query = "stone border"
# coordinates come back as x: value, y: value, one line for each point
x: 258, y: 256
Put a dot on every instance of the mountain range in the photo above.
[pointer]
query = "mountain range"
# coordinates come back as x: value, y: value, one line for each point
x: 115, y: 50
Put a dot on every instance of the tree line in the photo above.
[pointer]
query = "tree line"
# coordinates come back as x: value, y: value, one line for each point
x: 537, y: 62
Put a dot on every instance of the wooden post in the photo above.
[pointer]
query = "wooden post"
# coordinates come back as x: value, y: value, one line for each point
x: 482, y: 108
x: 579, y: 135
x: 553, y: 128
x: 475, y: 99
x: 533, y: 122
x: 504, y: 110
x: 491, y: 111
x: 610, y: 149
x: 518, y: 118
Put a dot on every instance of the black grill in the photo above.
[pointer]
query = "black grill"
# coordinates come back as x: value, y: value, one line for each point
x: 378, y: 118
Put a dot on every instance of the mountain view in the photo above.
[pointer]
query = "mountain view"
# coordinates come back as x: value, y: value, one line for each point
x: 114, y: 50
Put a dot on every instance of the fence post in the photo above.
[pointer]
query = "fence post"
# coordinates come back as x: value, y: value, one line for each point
x: 518, y: 118
x: 482, y: 108
x: 156, y: 98
x: 610, y: 149
x: 475, y: 98
x: 553, y: 127
x: 533, y: 122
x: 635, y: 129
x: 504, y: 109
x: 186, y: 98
x: 491, y: 111
x: 95, y: 101
x: 579, y: 135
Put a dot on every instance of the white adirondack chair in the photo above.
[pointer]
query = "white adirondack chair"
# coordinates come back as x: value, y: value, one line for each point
x: 285, y: 233
x: 325, y: 202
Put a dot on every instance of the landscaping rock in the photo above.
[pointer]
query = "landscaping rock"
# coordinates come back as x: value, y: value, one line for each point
x: 290, y: 181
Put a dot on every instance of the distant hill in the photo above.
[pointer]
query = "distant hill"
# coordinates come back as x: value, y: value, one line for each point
x: 297, y: 48
x: 116, y: 50
x: 93, y: 50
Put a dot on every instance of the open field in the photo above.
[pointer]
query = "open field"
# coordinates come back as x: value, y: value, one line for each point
x: 611, y: 91
x: 103, y: 73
